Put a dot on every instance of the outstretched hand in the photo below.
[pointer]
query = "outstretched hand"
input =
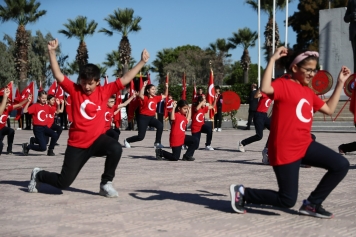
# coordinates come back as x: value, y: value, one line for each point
x: 280, y: 52
x: 7, y: 92
x: 344, y: 74
x: 145, y: 56
x: 52, y: 45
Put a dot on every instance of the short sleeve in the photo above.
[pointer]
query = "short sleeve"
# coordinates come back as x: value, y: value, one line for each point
x: 31, y: 109
x: 158, y: 98
x: 317, y: 102
x: 67, y: 85
x: 279, y: 88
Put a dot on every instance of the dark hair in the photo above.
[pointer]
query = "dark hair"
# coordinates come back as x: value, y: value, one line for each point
x: 200, y: 88
x: 292, y: 54
x: 40, y: 93
x: 113, y: 97
x: 49, y: 97
x: 147, y: 88
x: 200, y: 98
x: 217, y: 87
x: 181, y: 103
x: 89, y: 72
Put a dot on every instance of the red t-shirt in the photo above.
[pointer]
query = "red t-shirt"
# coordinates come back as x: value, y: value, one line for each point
x: 198, y: 119
x: 177, y: 135
x: 39, y: 114
x: 4, y: 116
x: 109, y: 114
x: 51, y: 115
x: 88, y: 111
x: 263, y: 103
x: 149, y: 105
x: 69, y: 108
x: 293, y: 109
x: 169, y: 106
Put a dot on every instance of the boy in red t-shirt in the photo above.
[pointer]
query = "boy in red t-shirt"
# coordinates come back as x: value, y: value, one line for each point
x: 87, y: 136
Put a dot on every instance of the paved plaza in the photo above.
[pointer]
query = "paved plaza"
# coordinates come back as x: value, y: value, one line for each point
x: 161, y: 198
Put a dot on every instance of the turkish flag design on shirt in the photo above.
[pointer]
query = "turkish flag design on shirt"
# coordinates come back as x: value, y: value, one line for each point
x: 52, y: 114
x: 291, y: 122
x: 177, y: 135
x: 149, y: 105
x: 109, y: 114
x: 263, y: 103
x: 39, y: 114
x: 88, y: 111
x: 198, y: 119
x: 4, y: 116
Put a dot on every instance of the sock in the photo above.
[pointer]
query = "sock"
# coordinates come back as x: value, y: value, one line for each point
x: 242, y: 190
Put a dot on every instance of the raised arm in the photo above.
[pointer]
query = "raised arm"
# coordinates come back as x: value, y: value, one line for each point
x: 25, y: 109
x: 330, y: 105
x: 127, y: 101
x: 174, y: 103
x: 142, y: 91
x: 56, y: 71
x: 165, y: 92
x: 136, y: 69
x: 267, y: 76
x: 4, y: 100
x: 189, y: 114
x: 29, y: 98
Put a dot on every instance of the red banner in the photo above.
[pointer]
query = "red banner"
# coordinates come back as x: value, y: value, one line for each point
x: 211, y: 94
x: 166, y: 101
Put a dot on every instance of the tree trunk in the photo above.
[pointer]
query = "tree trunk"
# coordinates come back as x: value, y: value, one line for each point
x: 246, y: 76
x: 21, y: 56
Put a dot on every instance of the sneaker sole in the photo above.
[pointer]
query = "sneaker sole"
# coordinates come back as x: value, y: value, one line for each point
x: 33, y: 186
x: 313, y: 214
x: 232, y: 197
x: 103, y: 193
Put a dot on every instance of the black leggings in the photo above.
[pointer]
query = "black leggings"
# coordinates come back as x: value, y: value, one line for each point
x: 41, y: 135
x: 143, y: 122
x: 189, y: 141
x: 10, y: 138
x: 75, y: 159
x: 114, y: 133
x: 218, y: 118
x: 261, y: 121
x: 209, y: 134
x: 317, y: 155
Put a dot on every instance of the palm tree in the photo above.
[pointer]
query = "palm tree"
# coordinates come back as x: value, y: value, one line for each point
x: 123, y: 22
x: 267, y: 7
x: 21, y: 12
x: 245, y: 38
x: 80, y: 28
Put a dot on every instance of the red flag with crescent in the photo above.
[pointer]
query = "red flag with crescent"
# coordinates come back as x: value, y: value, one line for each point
x: 184, y: 87
x: 133, y: 104
x: 52, y: 89
x: 211, y: 94
x: 60, y: 93
x: 69, y: 108
x: 10, y: 86
x: 166, y: 101
x: 117, y: 117
x: 351, y: 86
x: 18, y: 100
x: 194, y: 92
x: 30, y: 89
x: 148, y: 79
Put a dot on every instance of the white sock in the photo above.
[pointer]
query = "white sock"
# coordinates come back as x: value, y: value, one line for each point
x: 242, y: 190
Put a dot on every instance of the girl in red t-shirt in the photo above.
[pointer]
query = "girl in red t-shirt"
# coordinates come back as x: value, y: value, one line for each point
x: 198, y: 124
x: 147, y: 117
x: 177, y: 136
x: 290, y: 143
x: 40, y: 112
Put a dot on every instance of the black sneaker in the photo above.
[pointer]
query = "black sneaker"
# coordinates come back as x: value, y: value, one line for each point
x: 341, y: 152
x: 188, y: 158
x: 9, y: 152
x: 50, y: 152
x: 25, y: 149
x: 159, y: 154
x: 237, y: 199
x: 315, y: 210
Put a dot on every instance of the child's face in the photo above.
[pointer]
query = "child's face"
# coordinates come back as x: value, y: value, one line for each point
x: 200, y: 91
x: 152, y: 91
x: 111, y: 102
x: 88, y: 86
x: 170, y: 97
x: 305, y: 73
x: 52, y: 101
x: 43, y: 99
x: 217, y: 91
x: 183, y: 110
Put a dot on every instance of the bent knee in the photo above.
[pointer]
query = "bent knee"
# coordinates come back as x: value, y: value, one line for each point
x: 288, y: 202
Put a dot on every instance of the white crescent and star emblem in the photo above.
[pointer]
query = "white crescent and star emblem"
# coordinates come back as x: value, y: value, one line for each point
x: 299, y: 111
x: 62, y: 92
x: 267, y: 103
x: 39, y: 116
x: 210, y: 90
x: 181, y: 126
x: 149, y: 106
x: 1, y: 119
x: 82, y: 109
x: 197, y: 117
x: 50, y: 115
x: 107, y: 120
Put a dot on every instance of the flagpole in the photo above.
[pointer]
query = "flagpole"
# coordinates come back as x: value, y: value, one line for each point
x: 286, y: 37
x: 274, y: 33
x: 259, y: 43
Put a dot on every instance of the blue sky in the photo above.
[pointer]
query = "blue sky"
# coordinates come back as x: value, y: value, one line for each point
x: 165, y: 24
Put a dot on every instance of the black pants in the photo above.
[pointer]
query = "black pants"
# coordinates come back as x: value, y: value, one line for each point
x: 64, y: 120
x: 218, y: 118
x: 209, y: 134
x: 114, y: 133
x: 348, y: 147
x: 261, y: 121
x: 28, y: 118
x: 75, y: 159
x: 251, y: 115
x: 10, y: 138
x: 142, y: 123
x: 160, y: 117
x: 192, y: 144
x: 41, y: 133
x: 8, y: 123
x: 317, y: 155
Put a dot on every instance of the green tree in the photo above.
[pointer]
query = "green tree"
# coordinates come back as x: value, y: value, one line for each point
x: 123, y: 22
x: 7, y: 68
x: 305, y: 22
x: 22, y: 12
x: 80, y: 28
x: 246, y: 39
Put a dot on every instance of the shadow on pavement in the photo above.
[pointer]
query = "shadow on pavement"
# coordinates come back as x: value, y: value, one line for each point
x: 246, y: 162
x: 199, y: 199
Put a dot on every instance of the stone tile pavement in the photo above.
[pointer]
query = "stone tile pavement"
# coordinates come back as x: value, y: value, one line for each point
x: 161, y: 198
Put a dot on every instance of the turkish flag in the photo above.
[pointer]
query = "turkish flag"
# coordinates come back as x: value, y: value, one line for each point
x: 184, y: 92
x: 148, y: 79
x: 10, y: 86
x: 52, y: 89
x: 59, y: 93
x: 40, y: 89
x: 211, y: 94
x: 18, y: 100
x: 194, y: 92
x: 30, y: 89
x: 166, y: 102
x: 117, y: 117
x: 69, y: 108
x: 141, y: 82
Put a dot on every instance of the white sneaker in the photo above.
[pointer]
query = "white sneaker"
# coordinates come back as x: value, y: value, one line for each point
x: 209, y: 148
x: 265, y: 159
x: 34, y: 184
x: 241, y: 148
x: 184, y: 147
x: 108, y: 190
x: 215, y: 129
x: 219, y: 129
x: 158, y: 146
x: 126, y: 144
